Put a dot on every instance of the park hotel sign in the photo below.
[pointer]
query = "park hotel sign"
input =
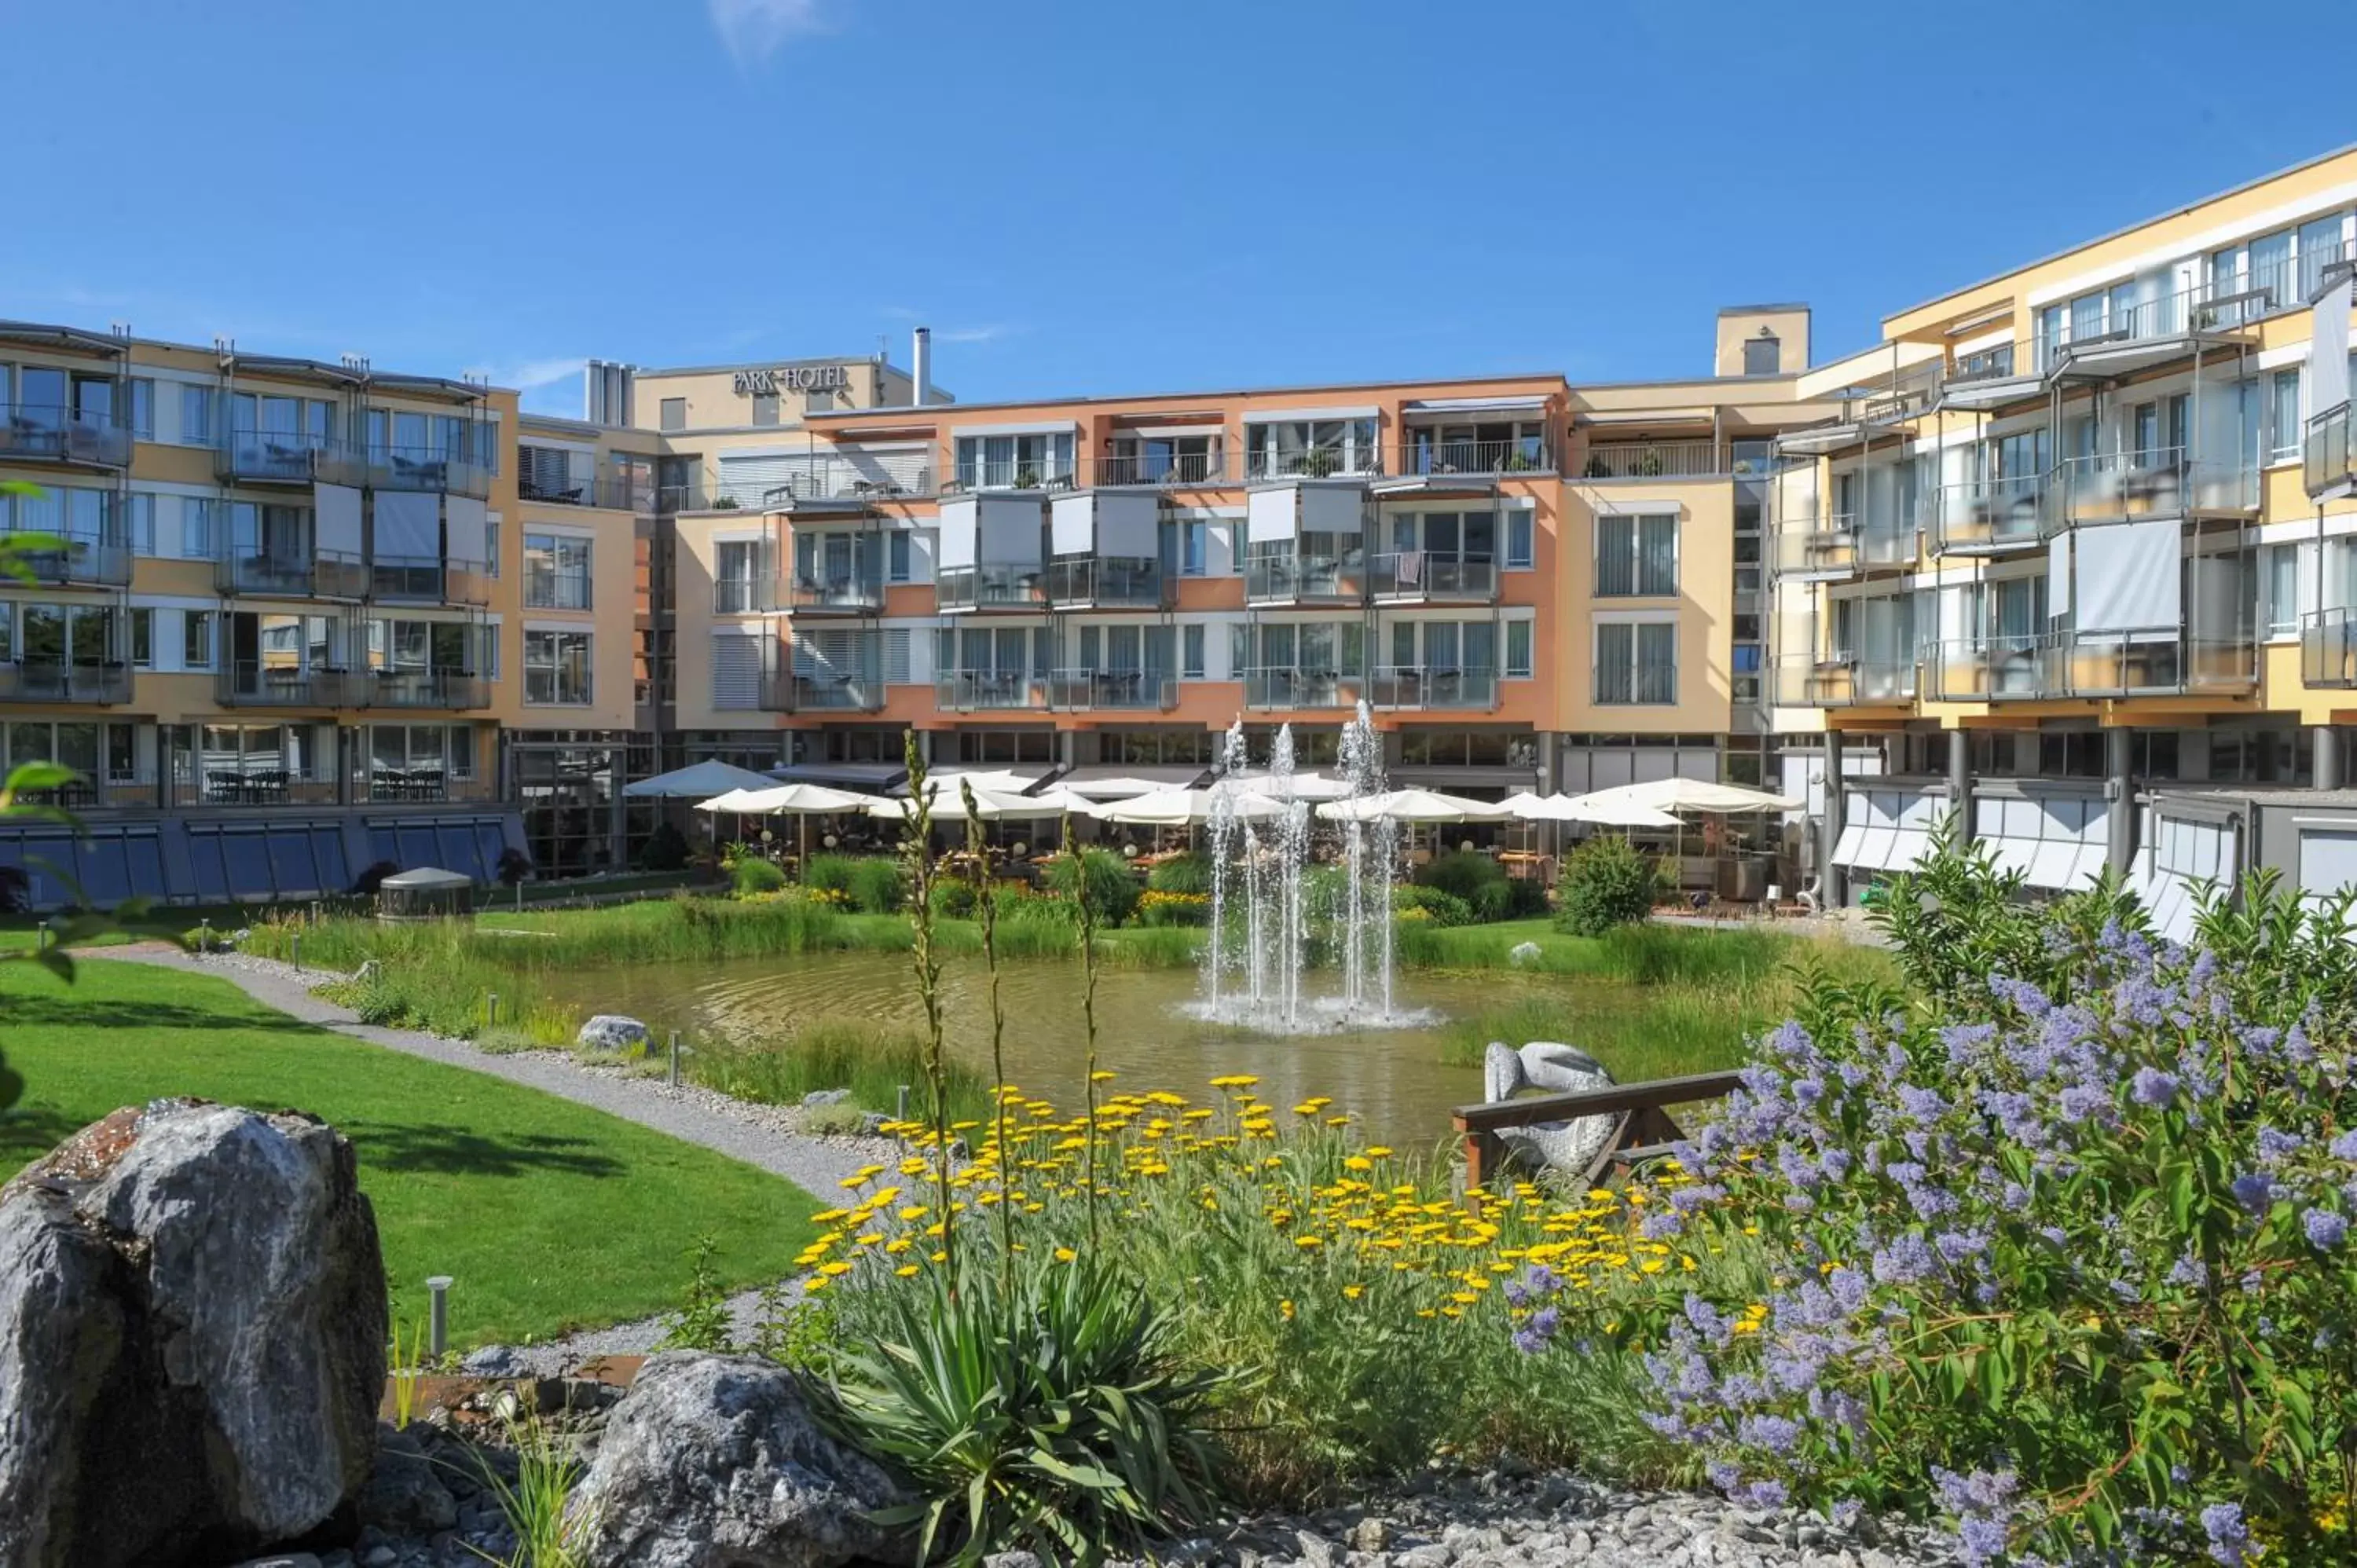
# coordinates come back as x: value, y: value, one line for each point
x: 792, y: 378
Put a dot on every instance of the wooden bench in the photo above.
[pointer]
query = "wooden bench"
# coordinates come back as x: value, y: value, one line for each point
x: 1643, y: 1131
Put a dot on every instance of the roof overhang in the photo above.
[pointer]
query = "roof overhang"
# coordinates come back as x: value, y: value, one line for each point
x: 1433, y: 485
x: 1816, y: 440
x: 1534, y: 402
x: 1990, y: 391
x: 40, y: 335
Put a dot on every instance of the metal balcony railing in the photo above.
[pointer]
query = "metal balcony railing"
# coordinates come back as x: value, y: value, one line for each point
x: 1279, y: 687
x: 1131, y: 689
x: 1291, y: 579
x: 1986, y: 365
x: 81, y: 561
x: 42, y: 433
x: 548, y: 590
x: 1009, y: 474
x: 2328, y: 648
x: 1432, y: 686
x: 1164, y: 470
x: 814, y: 479
x: 427, y: 468
x: 1106, y: 582
x: 1314, y: 463
x: 427, y: 580
x: 286, y: 457
x: 419, y: 786
x: 452, y: 688
x: 250, y: 684
x: 852, y: 593
x: 744, y: 596
x: 991, y: 587
x: 1461, y: 576
x: 962, y: 691
x: 1816, y: 554
x: 2165, y: 482
x: 1987, y: 517
x: 823, y: 693
x: 2325, y: 453
x: 1656, y: 460
x: 611, y: 493
x: 247, y: 782
x: 1638, y: 684
x: 322, y: 574
x: 1436, y: 454
x: 1841, y: 680
x: 64, y: 681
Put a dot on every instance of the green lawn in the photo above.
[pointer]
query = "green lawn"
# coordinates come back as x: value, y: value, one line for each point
x: 548, y: 1215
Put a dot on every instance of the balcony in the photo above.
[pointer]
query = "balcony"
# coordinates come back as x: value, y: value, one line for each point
x: 2141, y: 333
x: 610, y: 494
x: 429, y: 468
x: 420, y: 785
x: 276, y: 457
x: 84, y: 561
x: 1434, y: 454
x: 823, y: 693
x: 1429, y: 686
x: 2163, y: 662
x: 1434, y: 576
x: 250, y: 685
x: 2328, y: 648
x: 1305, y: 579
x: 831, y: 481
x: 1994, y: 668
x: 1107, y: 583
x: 323, y: 575
x: 744, y: 596
x: 965, y: 691
x: 1990, y: 378
x: 1813, y: 554
x: 2325, y: 457
x: 247, y: 782
x: 446, y: 689
x: 1657, y: 460
x: 991, y: 588
x: 1842, y: 681
x: 1286, y: 689
x: 1010, y: 474
x: 426, y: 580
x: 1164, y: 470
x: 1134, y: 690
x: 58, y: 681
x: 2116, y: 487
x: 37, y: 433
x: 1988, y: 517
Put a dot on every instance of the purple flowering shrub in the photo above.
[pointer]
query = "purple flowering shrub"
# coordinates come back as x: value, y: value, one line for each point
x: 2067, y: 1262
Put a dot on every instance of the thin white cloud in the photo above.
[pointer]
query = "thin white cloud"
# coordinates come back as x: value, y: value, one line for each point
x: 753, y: 30
x: 526, y: 374
x: 986, y: 334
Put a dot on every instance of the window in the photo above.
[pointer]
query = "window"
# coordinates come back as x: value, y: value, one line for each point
x: 1636, y: 662
x: 1518, y: 538
x: 1311, y: 449
x: 674, y: 414
x: 196, y: 416
x: 1636, y: 556
x: 765, y: 408
x: 555, y: 572
x: 143, y: 408
x: 1518, y: 649
x: 2283, y: 589
x: 1015, y: 462
x: 1190, y: 651
x: 1194, y: 549
x: 556, y: 667
x: 143, y: 637
x: 143, y: 523
x: 1763, y: 355
x: 491, y: 546
x: 195, y: 639
x: 2283, y: 415
x: 896, y: 556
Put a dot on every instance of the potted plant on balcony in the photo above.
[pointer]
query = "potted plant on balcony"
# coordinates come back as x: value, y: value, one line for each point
x: 1520, y: 462
x: 1029, y: 479
x: 1649, y: 463
x: 1320, y: 462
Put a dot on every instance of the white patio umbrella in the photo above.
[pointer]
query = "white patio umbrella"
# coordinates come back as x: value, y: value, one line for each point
x: 1191, y: 807
x: 949, y: 806
x: 802, y: 802
x: 697, y: 782
x: 1585, y: 808
x: 1302, y: 786
x: 1413, y: 806
x: 1682, y: 796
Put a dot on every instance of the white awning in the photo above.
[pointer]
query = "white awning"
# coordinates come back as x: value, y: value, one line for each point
x: 1272, y: 514
x: 1129, y: 524
x: 1008, y: 531
x: 1533, y: 401
x: 2129, y: 578
x: 960, y: 525
x: 1118, y: 781
x: 1072, y: 523
x: 1332, y: 509
x: 465, y: 518
x: 1272, y: 416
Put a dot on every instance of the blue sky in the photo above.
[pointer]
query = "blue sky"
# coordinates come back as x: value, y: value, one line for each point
x: 1086, y: 196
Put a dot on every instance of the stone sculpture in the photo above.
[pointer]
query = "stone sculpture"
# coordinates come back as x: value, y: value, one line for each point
x: 1568, y: 1147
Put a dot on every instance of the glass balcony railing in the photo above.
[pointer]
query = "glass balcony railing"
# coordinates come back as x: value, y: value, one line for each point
x: 611, y: 493
x: 2164, y: 660
x: 65, y: 681
x: 1293, y: 579
x: 285, y: 457
x: 1842, y: 681
x: 427, y: 580
x: 2325, y: 462
x: 251, y: 684
x: 1980, y: 670
x: 453, y: 689
x: 991, y: 587
x: 81, y: 559
x: 960, y: 691
x: 1283, y: 688
x: 39, y: 433
x: 1988, y: 517
x: 744, y: 596
x: 427, y: 468
x: 1459, y: 575
x: 1432, y: 686
x: 1106, y: 582
x: 2328, y: 648
x: 1812, y: 554
x: 2171, y: 481
x: 818, y: 478
x: 824, y: 694
x: 1626, y: 685
x: 279, y: 574
x: 1132, y: 689
x: 850, y: 592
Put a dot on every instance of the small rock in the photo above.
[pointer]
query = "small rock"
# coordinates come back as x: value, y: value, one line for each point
x: 1372, y: 1535
x: 826, y: 1096
x: 1012, y: 1560
x: 405, y: 1494
x: 1522, y: 953
x: 381, y: 1557
x: 1316, y: 1551
x: 283, y: 1560
x: 614, y: 1032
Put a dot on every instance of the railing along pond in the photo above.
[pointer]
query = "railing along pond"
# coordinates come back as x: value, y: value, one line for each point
x: 1642, y: 1109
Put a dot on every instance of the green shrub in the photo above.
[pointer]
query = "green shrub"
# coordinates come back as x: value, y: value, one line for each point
x: 1158, y: 907
x: 1053, y: 1416
x: 1188, y: 872
x: 954, y: 898
x: 826, y: 872
x: 1112, y: 887
x: 1478, y: 881
x: 1605, y: 883
x: 878, y: 887
x: 1444, y: 909
x: 758, y: 876
x: 666, y: 849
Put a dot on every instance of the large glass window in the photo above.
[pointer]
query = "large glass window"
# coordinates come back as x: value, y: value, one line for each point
x: 556, y: 667
x: 1636, y: 662
x: 1015, y: 462
x: 1311, y: 449
x: 1518, y: 648
x: 555, y: 572
x: 1636, y: 556
x: 2283, y: 415
x: 2283, y: 589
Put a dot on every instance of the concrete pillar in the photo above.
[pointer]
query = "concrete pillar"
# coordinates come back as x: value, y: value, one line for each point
x: 2327, y: 766
x: 1829, y: 832
x: 1960, y: 781
x: 2119, y: 792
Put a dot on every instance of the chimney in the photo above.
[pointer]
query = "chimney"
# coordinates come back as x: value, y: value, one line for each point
x: 607, y: 393
x: 921, y: 369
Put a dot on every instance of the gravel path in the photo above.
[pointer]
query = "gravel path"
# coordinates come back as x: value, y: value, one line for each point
x: 761, y: 1135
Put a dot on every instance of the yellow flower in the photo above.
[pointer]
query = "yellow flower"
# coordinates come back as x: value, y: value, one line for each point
x: 914, y: 1211
x: 1377, y: 1151
x: 1285, y: 1307
x: 1065, y: 1254
x: 1308, y: 1242
x: 1359, y: 1162
x: 816, y: 1284
x: 1234, y: 1080
x: 1100, y: 1077
x: 835, y: 1270
x: 1353, y: 1292
x: 829, y: 1215
x: 906, y: 1270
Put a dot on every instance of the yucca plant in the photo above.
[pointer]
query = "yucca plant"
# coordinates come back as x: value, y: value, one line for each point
x: 1055, y: 1419
x: 549, y: 1532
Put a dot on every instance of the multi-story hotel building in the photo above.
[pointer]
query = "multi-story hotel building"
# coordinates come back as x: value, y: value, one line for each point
x: 2068, y: 551
x: 2074, y: 556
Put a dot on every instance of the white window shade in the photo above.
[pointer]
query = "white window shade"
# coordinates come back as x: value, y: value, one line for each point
x: 409, y: 525
x: 735, y: 673
x: 1008, y: 531
x: 2058, y: 576
x: 959, y: 527
x: 1332, y: 509
x: 466, y: 517
x: 1129, y: 525
x: 2327, y: 862
x: 2328, y: 360
x: 1272, y: 514
x: 338, y: 517
x: 1072, y: 524
x: 2128, y: 577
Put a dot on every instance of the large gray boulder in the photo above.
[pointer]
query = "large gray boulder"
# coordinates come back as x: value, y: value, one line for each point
x: 192, y: 1337
x: 614, y: 1032
x: 715, y: 1461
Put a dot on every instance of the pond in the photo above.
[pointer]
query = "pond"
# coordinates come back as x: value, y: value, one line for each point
x: 1392, y: 1079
